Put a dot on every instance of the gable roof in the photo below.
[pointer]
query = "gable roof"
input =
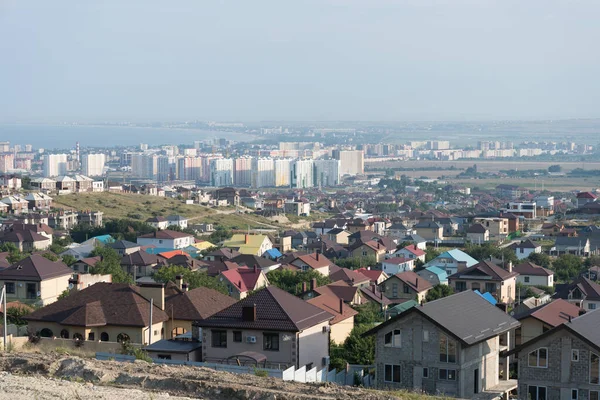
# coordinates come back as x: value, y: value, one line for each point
x: 122, y: 245
x: 244, y: 279
x: 477, y: 228
x: 412, y: 248
x: 35, y: 268
x: 250, y: 260
x: 413, y: 280
x: 372, y: 274
x: 527, y: 244
x: 590, y: 289
x: 554, y: 313
x: 165, y: 234
x: 349, y: 276
x: 332, y: 304
x: 484, y: 268
x: 196, y: 304
x: 24, y: 236
x: 276, y: 310
x: 465, y: 315
x: 529, y: 268
x: 457, y: 255
x: 141, y: 258
x: 313, y: 260
x: 99, y: 305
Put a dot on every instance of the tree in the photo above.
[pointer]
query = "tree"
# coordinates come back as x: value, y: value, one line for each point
x: 487, y: 250
x: 50, y: 256
x: 359, y: 349
x: 567, y: 267
x: 368, y: 314
x: 220, y: 233
x: 438, y: 292
x: 57, y: 248
x: 554, y: 168
x: 541, y: 259
x: 14, y: 315
x: 356, y: 262
x: 110, y: 263
x: 69, y: 259
x: 194, y: 279
x: 430, y: 254
x: 64, y: 294
x: 291, y: 281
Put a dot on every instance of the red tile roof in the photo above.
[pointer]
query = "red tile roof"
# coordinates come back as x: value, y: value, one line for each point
x: 349, y: 276
x: 415, y: 250
x: 314, y: 260
x: 332, y: 304
x: 244, y: 279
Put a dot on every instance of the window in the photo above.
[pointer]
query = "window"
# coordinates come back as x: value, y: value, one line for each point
x: 164, y: 356
x: 219, y: 338
x: 575, y: 355
x: 461, y: 286
x: 574, y: 394
x: 393, y: 339
x: 539, y: 358
x: 394, y: 290
x: 46, y: 333
x: 425, y: 372
x: 271, y: 341
x: 537, y: 392
x: 426, y: 336
x: 64, y: 334
x: 104, y: 337
x: 177, y: 331
x: 406, y: 289
x: 123, y: 338
x: 92, y: 336
x: 447, y: 349
x: 490, y: 287
x: 594, y: 368
x: 526, y: 279
x: 594, y: 395
x: 447, y: 374
x: 591, y: 306
x: 364, y: 253
x: 10, y: 287
x: 237, y: 336
x: 391, y: 373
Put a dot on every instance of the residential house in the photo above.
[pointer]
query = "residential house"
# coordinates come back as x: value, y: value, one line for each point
x: 375, y: 276
x: 571, y: 245
x: 370, y: 248
x: 392, y: 266
x: 35, y: 279
x: 109, y: 312
x: 124, y: 247
x: 477, y: 233
x: 563, y: 362
x: 434, y: 275
x: 398, y: 230
x: 450, y: 261
x: 240, y: 282
x: 298, y: 208
x: 313, y: 261
x: 525, y: 248
x: 352, y: 278
x: 582, y: 292
x: 415, y: 239
x: 343, y: 316
x: 25, y: 240
x: 223, y: 253
x: 487, y: 277
x: 584, y: 198
x: 141, y: 263
x: 16, y: 205
x: 90, y: 218
x: 38, y: 201
x: 430, y: 230
x: 85, y: 264
x: 158, y: 222
x: 249, y: 244
x: 271, y: 328
x: 66, y: 184
x: 540, y: 319
x: 251, y: 261
x: 338, y: 235
x: 166, y: 239
x: 43, y: 184
x: 450, y: 346
x: 405, y: 286
x: 411, y: 252
x: 531, y: 274
x: 177, y: 220
x: 228, y: 195
x: 321, y: 228
x: 497, y: 227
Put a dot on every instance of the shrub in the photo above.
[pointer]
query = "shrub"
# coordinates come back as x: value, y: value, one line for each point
x: 261, y: 372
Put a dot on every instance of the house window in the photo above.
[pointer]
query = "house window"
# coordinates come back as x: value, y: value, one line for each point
x: 425, y: 372
x: 10, y: 287
x: 160, y: 241
x: 447, y: 374
x: 394, y: 290
x: 177, y: 331
x: 219, y: 338
x: 364, y: 253
x: 574, y: 394
x: 594, y: 368
x: 391, y: 373
x: 594, y: 395
x: 526, y: 279
x: 92, y: 336
x: 537, y: 392
x: 164, y: 356
x: 461, y: 286
x: 46, y: 333
x: 538, y: 358
x: 271, y: 341
x: 591, y: 306
x: 237, y: 336
x: 104, y: 337
x: 426, y: 336
x: 575, y: 355
x: 447, y: 349
x: 393, y: 339
x: 490, y: 287
x: 406, y: 289
x: 64, y: 334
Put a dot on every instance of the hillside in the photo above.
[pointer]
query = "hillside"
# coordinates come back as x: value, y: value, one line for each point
x: 45, y: 376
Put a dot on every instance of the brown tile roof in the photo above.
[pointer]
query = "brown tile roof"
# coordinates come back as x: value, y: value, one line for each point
x: 165, y: 234
x: 332, y: 305
x: 314, y: 260
x: 140, y: 257
x: 372, y: 274
x: 340, y: 289
x: 22, y: 237
x: 416, y: 282
x: 101, y: 304
x: 554, y: 313
x: 349, y: 276
x: 484, y: 268
x: 197, y: 304
x: 35, y: 268
x: 529, y: 268
x: 276, y: 310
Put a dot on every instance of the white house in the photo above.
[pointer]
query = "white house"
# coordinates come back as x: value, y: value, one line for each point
x: 166, y: 239
x: 534, y: 275
x: 158, y: 222
x: 525, y: 248
x: 450, y: 260
x: 177, y: 220
x: 393, y: 266
x: 410, y: 252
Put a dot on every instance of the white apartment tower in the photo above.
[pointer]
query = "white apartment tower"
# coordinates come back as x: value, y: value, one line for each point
x: 327, y: 173
x: 263, y: 172
x: 302, y: 173
x: 283, y: 172
x: 352, y: 162
x: 93, y: 164
x: 221, y: 172
x: 55, y: 165
x: 242, y: 171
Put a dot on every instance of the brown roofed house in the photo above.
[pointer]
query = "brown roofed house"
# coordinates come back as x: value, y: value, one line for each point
x: 486, y: 276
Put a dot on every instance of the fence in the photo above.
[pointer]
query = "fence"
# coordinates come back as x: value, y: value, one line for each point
x: 353, y: 375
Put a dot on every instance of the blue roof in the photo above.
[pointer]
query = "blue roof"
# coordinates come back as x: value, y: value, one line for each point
x: 158, y: 250
x: 488, y: 296
x: 274, y: 253
x: 191, y: 250
x: 441, y: 274
x: 457, y: 255
x: 104, y: 238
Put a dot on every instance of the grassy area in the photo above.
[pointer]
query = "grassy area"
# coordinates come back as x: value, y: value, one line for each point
x: 141, y: 207
x: 407, y: 395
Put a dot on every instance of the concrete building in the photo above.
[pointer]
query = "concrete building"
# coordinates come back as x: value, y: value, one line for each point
x: 283, y: 172
x: 242, y: 171
x: 221, y: 172
x: 263, y: 172
x: 487, y: 277
x: 327, y: 173
x: 189, y: 168
x: 93, y: 164
x: 497, y: 227
x: 302, y: 174
x: 7, y: 162
x: 55, y: 165
x: 352, y: 162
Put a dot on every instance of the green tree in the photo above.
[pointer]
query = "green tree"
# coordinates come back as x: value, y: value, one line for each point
x: 541, y: 259
x: 368, y: 314
x: 487, y: 250
x: 64, y: 294
x: 439, y: 291
x: 14, y: 315
x: 50, y: 256
x: 69, y: 259
x: 220, y: 233
x: 291, y: 281
x: 110, y: 263
x: 430, y: 254
x: 359, y: 349
x: 356, y: 262
x: 57, y: 248
x: 554, y: 168
x: 194, y: 279
x: 567, y: 267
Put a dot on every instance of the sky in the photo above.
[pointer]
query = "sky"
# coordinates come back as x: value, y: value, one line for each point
x: 353, y: 60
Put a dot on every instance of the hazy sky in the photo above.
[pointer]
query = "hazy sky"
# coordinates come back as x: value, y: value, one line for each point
x: 298, y: 60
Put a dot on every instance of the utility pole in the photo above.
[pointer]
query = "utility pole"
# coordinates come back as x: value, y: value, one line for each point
x: 3, y: 300
x: 150, y: 322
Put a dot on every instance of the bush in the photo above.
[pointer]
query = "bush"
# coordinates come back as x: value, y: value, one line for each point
x: 33, y: 337
x: 261, y: 372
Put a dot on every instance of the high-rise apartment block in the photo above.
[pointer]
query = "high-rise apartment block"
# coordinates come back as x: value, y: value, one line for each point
x: 352, y: 162
x: 55, y: 165
x: 93, y: 164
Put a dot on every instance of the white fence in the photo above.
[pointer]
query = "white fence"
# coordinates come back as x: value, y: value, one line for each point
x: 355, y: 374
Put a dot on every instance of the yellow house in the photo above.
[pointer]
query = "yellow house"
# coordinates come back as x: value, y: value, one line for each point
x: 35, y: 279
x: 369, y: 249
x: 203, y: 245
x: 249, y: 244
x: 343, y: 320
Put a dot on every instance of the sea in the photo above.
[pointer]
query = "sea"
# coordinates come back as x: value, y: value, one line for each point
x: 65, y: 136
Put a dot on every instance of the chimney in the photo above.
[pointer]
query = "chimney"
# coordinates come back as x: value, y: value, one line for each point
x: 509, y: 267
x: 240, y: 284
x: 179, y: 281
x: 184, y: 287
x: 341, y: 306
x: 303, y: 287
x: 373, y: 287
x: 417, y: 283
x: 317, y: 256
x: 155, y: 291
x: 255, y: 269
x: 247, y: 238
x: 462, y: 265
x: 313, y: 283
x: 249, y: 313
